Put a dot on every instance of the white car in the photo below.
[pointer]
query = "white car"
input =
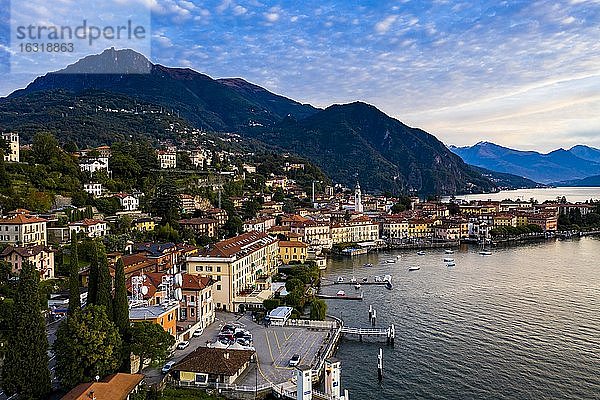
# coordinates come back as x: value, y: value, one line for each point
x: 183, y: 345
x: 295, y: 360
x: 198, y: 332
x: 167, y: 367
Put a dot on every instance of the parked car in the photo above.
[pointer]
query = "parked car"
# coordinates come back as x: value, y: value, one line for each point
x: 295, y: 360
x: 243, y: 342
x: 183, y: 345
x: 198, y: 332
x: 167, y: 367
x: 228, y: 328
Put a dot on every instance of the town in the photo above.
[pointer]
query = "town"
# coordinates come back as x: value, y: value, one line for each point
x: 193, y: 265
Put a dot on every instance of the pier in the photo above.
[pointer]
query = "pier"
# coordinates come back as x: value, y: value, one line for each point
x: 345, y: 297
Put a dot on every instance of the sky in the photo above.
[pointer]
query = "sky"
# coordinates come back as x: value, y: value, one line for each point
x: 524, y: 74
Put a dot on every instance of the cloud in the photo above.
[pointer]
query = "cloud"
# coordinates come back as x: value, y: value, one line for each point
x: 383, y: 26
x: 272, y: 16
x: 239, y: 10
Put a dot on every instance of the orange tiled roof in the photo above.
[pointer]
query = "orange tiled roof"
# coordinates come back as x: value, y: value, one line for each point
x: 21, y: 219
x: 113, y: 387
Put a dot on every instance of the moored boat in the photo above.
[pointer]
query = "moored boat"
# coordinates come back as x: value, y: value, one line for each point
x: 420, y: 253
x: 414, y: 268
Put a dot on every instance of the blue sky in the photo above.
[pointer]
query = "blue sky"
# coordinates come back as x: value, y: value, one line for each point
x: 524, y: 74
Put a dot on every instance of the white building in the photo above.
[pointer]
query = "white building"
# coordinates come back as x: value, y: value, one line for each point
x: 128, y: 202
x: 12, y: 154
x: 93, y: 188
x: 90, y: 227
x: 92, y: 165
x: 358, y: 206
x: 23, y: 229
x: 260, y: 224
x: 167, y: 159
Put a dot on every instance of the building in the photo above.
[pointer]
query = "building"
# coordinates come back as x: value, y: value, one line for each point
x: 217, y: 213
x: 91, y: 228
x: 239, y: 266
x: 260, y: 224
x: 212, y: 365
x: 280, y: 315
x: 201, y: 226
x: 12, y: 154
x: 93, y: 165
x: 118, y: 386
x: 292, y: 251
x: 23, y: 229
x: 39, y: 255
x: 360, y: 229
x: 143, y: 224
x: 164, y: 315
x: 197, y: 303
x: 394, y: 228
x: 95, y: 189
x: 358, y: 206
x: 128, y: 202
x: 167, y: 159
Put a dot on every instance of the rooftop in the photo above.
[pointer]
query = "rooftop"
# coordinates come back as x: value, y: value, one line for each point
x: 113, y: 387
x: 215, y: 361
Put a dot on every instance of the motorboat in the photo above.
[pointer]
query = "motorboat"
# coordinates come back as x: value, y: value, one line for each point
x: 368, y: 265
x: 447, y: 260
x: 353, y: 280
x: 341, y: 293
x: 365, y: 280
x: 451, y: 264
x: 449, y: 251
x: 340, y: 279
x: 398, y: 257
x: 388, y: 285
x: 357, y: 286
x: 420, y: 253
x: 414, y: 268
x: 387, y: 278
x: 390, y: 261
x: 378, y: 279
x: 485, y: 253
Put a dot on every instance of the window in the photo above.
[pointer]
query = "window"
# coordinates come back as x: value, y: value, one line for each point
x: 218, y: 269
x: 209, y: 269
x: 218, y: 287
x: 198, y: 268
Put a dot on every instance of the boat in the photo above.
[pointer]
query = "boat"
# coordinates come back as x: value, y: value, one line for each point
x: 378, y: 279
x: 357, y: 286
x: 365, y: 280
x: 447, y: 260
x: 450, y: 264
x: 449, y: 251
x: 391, y: 261
x: 398, y: 257
x: 414, y: 268
x: 387, y: 278
x: 340, y: 279
x: 420, y: 253
x: 353, y: 280
x: 368, y: 265
x: 388, y: 285
x: 341, y: 293
x: 485, y: 253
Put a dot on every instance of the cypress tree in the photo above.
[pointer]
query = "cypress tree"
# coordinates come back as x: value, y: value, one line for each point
x: 74, y: 300
x: 121, y: 304
x: 93, y: 276
x: 104, y: 294
x: 25, y: 369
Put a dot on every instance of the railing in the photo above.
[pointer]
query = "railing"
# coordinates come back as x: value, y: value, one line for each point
x: 306, y: 323
x: 365, y: 331
x: 226, y: 386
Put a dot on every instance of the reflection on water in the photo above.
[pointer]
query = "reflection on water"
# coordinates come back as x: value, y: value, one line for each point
x: 523, y: 323
x: 572, y: 194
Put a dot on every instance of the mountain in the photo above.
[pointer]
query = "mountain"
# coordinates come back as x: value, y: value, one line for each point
x: 358, y: 140
x: 558, y: 165
x: 225, y: 106
x: 586, y: 153
x: 508, y: 181
x: 590, y: 181
x: 344, y: 140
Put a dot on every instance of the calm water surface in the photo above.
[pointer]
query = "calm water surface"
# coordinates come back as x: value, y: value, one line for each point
x: 523, y: 323
x: 572, y: 194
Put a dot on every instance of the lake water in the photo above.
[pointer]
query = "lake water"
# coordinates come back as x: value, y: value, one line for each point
x: 572, y: 194
x: 523, y: 323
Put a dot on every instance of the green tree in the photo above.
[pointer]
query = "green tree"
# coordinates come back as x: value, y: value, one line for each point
x: 294, y: 285
x: 45, y: 148
x: 94, y: 272
x: 121, y: 304
x: 166, y: 202
x: 87, y: 344
x: 25, y: 369
x: 150, y: 341
x: 318, y: 310
x: 104, y: 296
x: 74, y: 299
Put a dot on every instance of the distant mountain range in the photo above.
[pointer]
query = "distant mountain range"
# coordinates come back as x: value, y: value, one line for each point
x: 347, y: 141
x: 556, y: 166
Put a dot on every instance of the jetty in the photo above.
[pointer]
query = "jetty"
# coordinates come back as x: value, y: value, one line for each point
x: 345, y: 297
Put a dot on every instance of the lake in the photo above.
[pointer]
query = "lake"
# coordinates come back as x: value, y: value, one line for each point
x: 573, y: 194
x: 523, y: 323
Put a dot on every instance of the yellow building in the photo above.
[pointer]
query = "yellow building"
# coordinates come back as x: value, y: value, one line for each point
x: 292, y: 251
x: 143, y: 224
x: 240, y: 266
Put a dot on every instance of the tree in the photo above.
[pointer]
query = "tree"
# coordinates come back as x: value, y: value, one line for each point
x: 294, y: 284
x: 166, y: 202
x: 45, y: 148
x: 74, y: 299
x: 25, y: 369
x: 150, y: 341
x: 94, y: 273
x: 104, y: 296
x: 121, y: 304
x: 87, y: 344
x: 318, y: 310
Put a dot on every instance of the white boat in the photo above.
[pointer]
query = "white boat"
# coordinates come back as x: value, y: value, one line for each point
x: 340, y: 279
x: 485, y: 253
x: 451, y: 264
x: 353, y: 280
x: 414, y: 268
x: 378, y: 279
x: 357, y: 286
x: 341, y: 293
x: 398, y: 257
x: 365, y: 280
x: 449, y: 251
x: 420, y: 253
x: 391, y: 261
x: 447, y: 260
x: 387, y: 278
